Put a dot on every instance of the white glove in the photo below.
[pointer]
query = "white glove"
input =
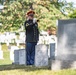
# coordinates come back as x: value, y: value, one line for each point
x: 34, y: 20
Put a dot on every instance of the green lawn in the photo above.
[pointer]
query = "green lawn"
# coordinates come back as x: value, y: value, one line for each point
x: 6, y: 68
x: 31, y: 70
x: 6, y: 60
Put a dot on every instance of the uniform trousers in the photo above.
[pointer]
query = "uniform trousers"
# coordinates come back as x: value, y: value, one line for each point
x: 30, y: 53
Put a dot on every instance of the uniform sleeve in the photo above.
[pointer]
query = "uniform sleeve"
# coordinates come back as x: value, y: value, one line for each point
x: 36, y: 24
x: 25, y: 24
x: 28, y: 25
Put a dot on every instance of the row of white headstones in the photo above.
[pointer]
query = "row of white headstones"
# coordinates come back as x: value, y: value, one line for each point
x: 12, y: 37
x: 18, y: 55
x: 8, y: 38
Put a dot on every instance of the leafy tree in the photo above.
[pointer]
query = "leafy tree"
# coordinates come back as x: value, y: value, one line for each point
x: 73, y: 14
x: 13, y: 14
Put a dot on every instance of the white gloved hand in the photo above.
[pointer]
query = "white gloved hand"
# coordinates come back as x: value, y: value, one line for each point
x: 34, y: 20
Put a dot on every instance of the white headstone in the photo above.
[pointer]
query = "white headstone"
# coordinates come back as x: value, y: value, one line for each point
x: 52, y: 50
x: 12, y: 52
x: 1, y: 54
x: 17, y: 42
x: 53, y: 46
x: 41, y: 55
x: 43, y: 38
x: 0, y: 46
x: 22, y: 56
x: 7, y: 43
x: 66, y: 40
x: 16, y: 56
x: 2, y: 38
x: 22, y: 37
x: 66, y: 48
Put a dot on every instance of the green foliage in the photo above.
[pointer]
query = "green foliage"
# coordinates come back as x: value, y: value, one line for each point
x: 13, y: 14
x: 73, y: 14
x: 47, y: 13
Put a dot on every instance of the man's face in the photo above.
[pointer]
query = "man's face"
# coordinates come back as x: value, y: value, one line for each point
x: 30, y: 16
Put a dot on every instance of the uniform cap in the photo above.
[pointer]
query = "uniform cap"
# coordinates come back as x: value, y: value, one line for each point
x: 30, y: 12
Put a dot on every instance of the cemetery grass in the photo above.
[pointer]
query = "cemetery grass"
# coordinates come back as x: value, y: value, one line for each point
x: 7, y: 68
x: 31, y: 70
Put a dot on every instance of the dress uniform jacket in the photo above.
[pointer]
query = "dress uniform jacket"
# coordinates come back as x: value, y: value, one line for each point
x: 32, y: 32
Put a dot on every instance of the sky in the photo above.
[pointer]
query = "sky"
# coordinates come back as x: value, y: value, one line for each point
x: 72, y: 1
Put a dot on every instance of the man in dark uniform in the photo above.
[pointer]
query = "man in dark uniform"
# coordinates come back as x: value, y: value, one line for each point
x: 32, y: 37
